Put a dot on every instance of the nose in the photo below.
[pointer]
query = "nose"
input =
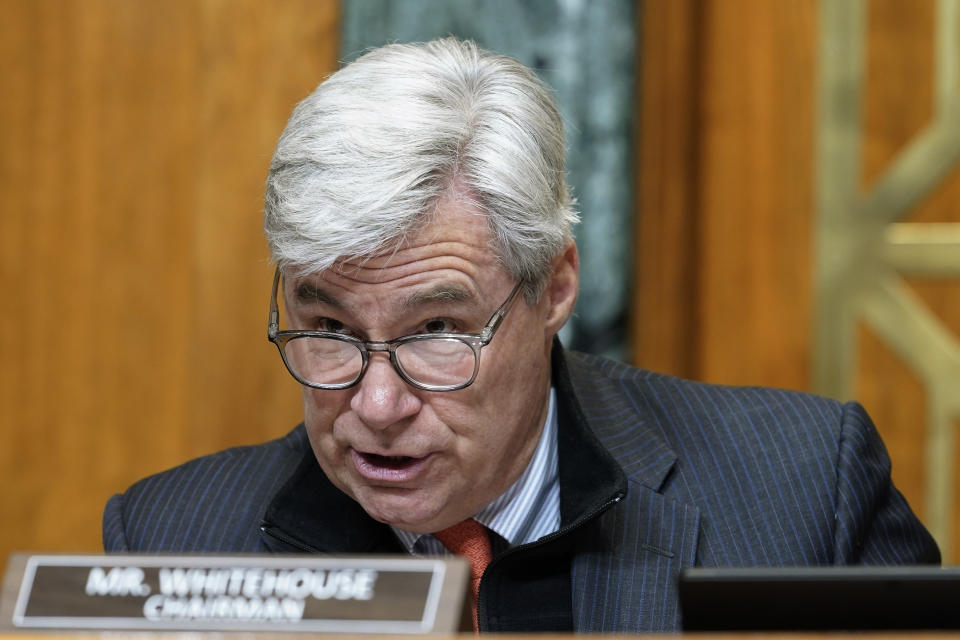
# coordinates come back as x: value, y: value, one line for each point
x: 382, y: 398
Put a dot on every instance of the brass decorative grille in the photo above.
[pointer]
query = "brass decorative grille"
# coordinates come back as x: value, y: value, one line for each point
x: 864, y: 250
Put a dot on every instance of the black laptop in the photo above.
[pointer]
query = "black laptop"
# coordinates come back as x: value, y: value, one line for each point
x: 820, y: 599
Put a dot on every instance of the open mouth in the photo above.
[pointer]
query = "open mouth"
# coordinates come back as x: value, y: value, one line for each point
x: 388, y: 462
x: 390, y: 469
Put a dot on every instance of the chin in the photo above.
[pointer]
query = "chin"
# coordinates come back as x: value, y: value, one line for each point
x: 405, y: 512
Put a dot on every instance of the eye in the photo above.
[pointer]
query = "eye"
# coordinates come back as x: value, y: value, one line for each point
x: 332, y: 326
x: 439, y: 325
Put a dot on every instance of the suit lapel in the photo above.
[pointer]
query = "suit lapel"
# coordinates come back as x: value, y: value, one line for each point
x: 624, y: 574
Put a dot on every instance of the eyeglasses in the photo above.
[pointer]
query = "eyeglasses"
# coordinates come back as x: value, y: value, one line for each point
x: 429, y: 361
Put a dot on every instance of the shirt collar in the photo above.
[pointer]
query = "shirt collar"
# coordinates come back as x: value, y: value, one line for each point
x: 528, y: 510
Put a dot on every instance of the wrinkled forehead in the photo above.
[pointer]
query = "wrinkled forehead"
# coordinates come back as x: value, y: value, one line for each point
x: 309, y: 291
x: 456, y: 238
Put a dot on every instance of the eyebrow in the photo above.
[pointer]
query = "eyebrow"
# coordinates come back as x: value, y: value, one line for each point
x: 439, y: 295
x: 308, y: 293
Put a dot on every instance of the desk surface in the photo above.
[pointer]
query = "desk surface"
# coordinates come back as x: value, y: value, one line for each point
x: 194, y: 635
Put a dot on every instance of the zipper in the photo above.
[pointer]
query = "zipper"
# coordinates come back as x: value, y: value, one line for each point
x: 547, y: 539
x: 279, y: 536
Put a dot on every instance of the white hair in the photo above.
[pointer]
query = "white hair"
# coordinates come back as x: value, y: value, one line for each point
x: 366, y: 157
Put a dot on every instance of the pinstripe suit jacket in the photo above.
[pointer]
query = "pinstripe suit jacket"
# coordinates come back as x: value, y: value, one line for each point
x: 657, y: 474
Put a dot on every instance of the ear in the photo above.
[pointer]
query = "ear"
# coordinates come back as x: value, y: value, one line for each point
x: 561, y: 291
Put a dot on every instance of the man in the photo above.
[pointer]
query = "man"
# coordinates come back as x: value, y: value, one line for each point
x: 417, y: 211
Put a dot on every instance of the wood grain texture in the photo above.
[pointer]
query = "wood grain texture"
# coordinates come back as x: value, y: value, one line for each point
x: 664, y: 329
x: 898, y: 86
x: 725, y: 199
x: 756, y: 192
x: 135, y: 143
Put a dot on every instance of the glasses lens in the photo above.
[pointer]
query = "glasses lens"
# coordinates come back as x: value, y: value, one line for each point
x: 325, y: 361
x: 439, y: 362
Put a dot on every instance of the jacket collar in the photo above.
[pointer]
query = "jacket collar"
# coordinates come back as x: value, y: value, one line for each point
x: 589, y: 476
x: 614, y: 417
x: 310, y: 514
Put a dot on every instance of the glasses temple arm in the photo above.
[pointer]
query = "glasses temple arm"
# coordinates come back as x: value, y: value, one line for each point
x: 273, y: 322
x: 500, y: 314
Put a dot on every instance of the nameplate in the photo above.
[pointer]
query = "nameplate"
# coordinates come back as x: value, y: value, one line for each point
x: 324, y: 594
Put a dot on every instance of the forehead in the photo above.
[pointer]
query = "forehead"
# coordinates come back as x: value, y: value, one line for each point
x: 454, y: 247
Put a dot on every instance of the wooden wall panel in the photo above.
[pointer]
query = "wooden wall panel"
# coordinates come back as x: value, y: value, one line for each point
x: 898, y: 87
x: 664, y: 331
x: 134, y: 143
x: 756, y: 192
x: 724, y: 205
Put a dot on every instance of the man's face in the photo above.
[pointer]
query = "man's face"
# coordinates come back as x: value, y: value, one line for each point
x: 422, y: 460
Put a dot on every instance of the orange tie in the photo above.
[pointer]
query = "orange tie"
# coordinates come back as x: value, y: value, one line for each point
x: 470, y: 540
